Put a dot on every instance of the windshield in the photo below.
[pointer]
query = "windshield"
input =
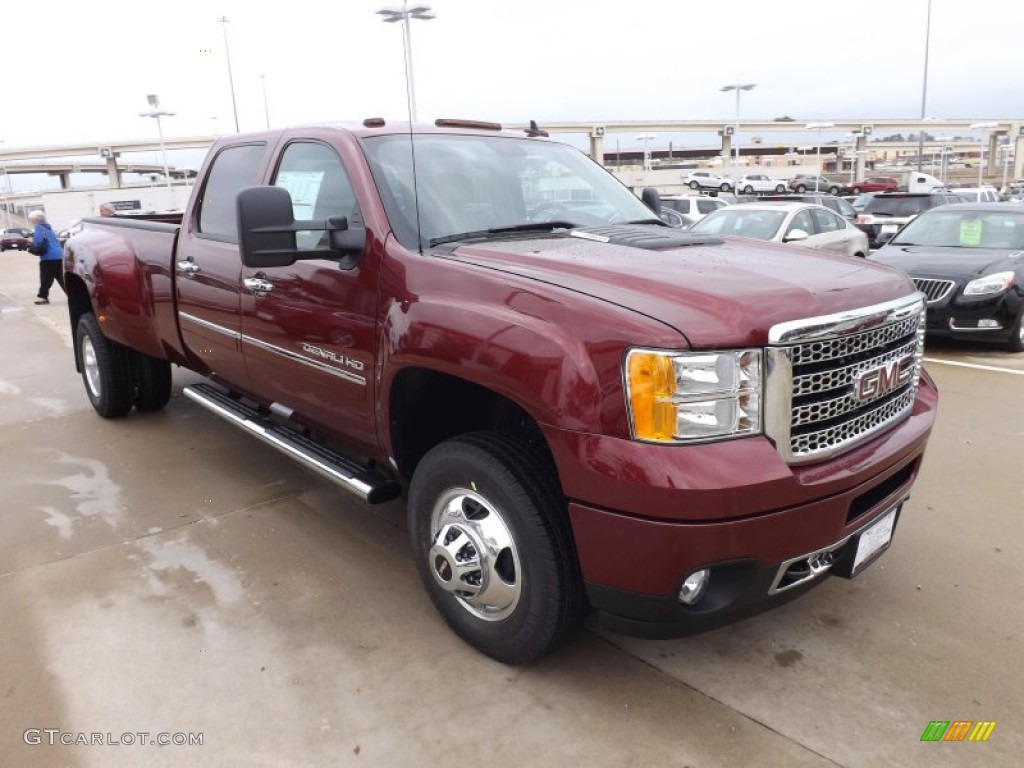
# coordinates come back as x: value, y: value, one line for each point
x: 470, y: 184
x: 757, y: 223
x: 965, y: 229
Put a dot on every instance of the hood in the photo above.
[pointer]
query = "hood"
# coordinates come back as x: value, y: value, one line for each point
x: 717, y: 295
x: 948, y: 262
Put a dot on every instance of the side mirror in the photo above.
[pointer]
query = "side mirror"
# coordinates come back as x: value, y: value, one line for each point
x: 795, y: 236
x: 884, y: 237
x: 267, y: 228
x: 652, y: 199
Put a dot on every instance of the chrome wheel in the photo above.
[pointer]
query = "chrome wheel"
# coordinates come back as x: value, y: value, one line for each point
x: 90, y: 367
x: 473, y: 556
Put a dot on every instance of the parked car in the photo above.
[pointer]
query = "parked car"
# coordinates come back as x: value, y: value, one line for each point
x: 874, y: 184
x: 812, y: 226
x: 861, y: 200
x: 708, y: 180
x: 963, y: 257
x: 837, y: 204
x: 696, y: 208
x: 759, y: 182
x: 13, y: 240
x: 884, y: 214
x: 23, y: 231
x: 977, y: 194
x: 808, y: 182
x: 71, y: 229
x: 676, y: 219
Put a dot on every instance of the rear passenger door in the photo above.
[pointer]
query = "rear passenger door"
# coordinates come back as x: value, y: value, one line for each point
x: 829, y: 231
x: 208, y: 267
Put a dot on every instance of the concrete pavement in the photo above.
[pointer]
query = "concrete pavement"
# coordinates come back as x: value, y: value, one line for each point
x: 166, y: 574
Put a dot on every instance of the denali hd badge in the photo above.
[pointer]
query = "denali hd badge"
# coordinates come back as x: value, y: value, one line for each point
x: 875, y: 382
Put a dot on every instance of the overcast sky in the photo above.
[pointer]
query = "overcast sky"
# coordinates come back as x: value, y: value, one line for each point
x: 80, y: 71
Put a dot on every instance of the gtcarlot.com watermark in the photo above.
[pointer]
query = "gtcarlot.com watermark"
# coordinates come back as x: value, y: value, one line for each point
x: 54, y: 736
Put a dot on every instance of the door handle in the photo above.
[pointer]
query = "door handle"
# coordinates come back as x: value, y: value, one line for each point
x: 188, y: 268
x: 258, y: 286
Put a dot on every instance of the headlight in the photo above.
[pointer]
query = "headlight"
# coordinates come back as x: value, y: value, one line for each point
x: 679, y: 397
x: 994, y: 283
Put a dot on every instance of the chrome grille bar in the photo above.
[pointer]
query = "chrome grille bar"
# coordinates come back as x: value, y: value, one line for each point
x: 935, y: 290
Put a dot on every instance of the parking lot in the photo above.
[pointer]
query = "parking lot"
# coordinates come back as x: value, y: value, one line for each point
x: 167, y: 575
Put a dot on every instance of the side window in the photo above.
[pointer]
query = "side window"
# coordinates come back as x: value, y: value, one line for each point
x: 801, y: 221
x: 826, y: 222
x: 707, y: 206
x: 233, y: 169
x: 315, y: 178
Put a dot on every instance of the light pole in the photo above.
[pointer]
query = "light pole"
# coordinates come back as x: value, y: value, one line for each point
x: 1007, y: 150
x: 223, y: 20
x: 8, y: 189
x: 266, y: 109
x: 820, y: 127
x: 736, y: 129
x: 924, y: 84
x: 984, y: 128
x: 645, y: 137
x: 157, y: 113
x: 404, y: 14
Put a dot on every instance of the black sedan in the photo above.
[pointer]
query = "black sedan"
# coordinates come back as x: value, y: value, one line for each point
x: 968, y: 259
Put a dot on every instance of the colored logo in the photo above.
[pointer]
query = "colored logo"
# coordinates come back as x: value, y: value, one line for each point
x: 958, y: 730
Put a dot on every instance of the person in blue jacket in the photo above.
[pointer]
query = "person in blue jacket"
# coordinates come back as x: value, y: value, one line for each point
x: 47, y: 247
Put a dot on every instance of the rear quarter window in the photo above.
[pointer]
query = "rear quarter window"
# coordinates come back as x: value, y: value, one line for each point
x: 898, y: 206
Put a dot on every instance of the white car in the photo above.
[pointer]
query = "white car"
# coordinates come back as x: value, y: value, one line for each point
x: 707, y: 180
x: 759, y: 182
x: 811, y: 226
x: 696, y: 208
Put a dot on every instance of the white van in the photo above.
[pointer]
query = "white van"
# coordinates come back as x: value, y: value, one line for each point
x: 915, y: 181
x: 977, y: 194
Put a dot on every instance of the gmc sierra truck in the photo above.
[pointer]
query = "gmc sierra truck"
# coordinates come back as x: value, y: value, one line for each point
x: 584, y: 409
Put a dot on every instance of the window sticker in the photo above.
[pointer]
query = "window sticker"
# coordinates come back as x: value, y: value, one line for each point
x: 970, y: 232
x: 304, y: 186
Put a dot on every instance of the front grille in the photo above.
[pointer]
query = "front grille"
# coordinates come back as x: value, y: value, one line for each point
x: 935, y: 290
x: 834, y: 381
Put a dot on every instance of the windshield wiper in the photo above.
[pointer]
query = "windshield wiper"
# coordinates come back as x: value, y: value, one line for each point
x: 483, y: 234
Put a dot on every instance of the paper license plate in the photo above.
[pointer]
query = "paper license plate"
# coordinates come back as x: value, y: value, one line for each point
x: 887, y: 228
x: 874, y: 540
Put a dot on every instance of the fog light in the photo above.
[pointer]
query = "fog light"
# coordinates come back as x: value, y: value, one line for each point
x: 694, y: 586
x: 987, y: 323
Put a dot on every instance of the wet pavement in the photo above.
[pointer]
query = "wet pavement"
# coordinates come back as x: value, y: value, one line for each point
x: 165, y: 574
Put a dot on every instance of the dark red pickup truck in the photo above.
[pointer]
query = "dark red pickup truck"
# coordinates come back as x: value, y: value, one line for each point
x: 585, y: 409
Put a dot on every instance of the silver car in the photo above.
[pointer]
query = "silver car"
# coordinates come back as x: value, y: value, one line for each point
x: 811, y: 226
x: 759, y: 182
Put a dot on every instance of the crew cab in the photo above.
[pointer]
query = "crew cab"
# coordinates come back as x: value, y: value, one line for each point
x: 584, y: 409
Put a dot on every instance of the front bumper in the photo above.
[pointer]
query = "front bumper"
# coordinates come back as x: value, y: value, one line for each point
x: 990, y: 318
x: 743, y: 516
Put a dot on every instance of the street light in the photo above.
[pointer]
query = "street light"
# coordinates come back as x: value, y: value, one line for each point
x: 736, y: 130
x: 404, y: 14
x: 223, y: 20
x: 157, y: 113
x: 924, y: 83
x: 820, y: 127
x: 985, y: 128
x: 266, y: 109
x: 645, y: 137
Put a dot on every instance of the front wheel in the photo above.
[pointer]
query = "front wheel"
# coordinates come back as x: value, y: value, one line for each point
x: 801, y: 188
x: 856, y: 190
x: 748, y: 190
x: 489, y: 532
x: 106, y: 369
x: 833, y: 190
x: 780, y: 189
x: 694, y: 185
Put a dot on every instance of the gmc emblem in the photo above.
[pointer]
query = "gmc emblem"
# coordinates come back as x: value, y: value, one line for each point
x: 875, y: 382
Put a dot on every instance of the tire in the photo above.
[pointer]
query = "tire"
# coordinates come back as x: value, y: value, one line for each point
x: 780, y: 190
x: 488, y: 486
x: 833, y: 191
x: 858, y: 255
x: 856, y: 190
x: 748, y: 190
x: 152, y: 381
x: 694, y: 185
x: 1016, y: 342
x: 106, y: 369
x: 801, y: 188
